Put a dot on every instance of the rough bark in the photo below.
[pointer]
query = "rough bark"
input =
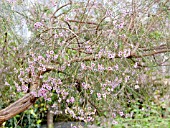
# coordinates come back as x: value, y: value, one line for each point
x: 17, y: 107
x: 50, y: 123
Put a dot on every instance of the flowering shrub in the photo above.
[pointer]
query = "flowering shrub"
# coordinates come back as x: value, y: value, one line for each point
x: 83, y: 56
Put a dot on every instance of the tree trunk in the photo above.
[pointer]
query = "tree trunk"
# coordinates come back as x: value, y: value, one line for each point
x: 50, y: 123
x: 17, y: 107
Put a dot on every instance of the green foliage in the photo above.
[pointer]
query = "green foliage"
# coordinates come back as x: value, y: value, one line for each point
x: 155, y: 35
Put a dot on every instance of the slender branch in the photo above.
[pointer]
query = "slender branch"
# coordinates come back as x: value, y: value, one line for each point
x: 60, y: 8
x: 83, y: 22
x: 151, y: 53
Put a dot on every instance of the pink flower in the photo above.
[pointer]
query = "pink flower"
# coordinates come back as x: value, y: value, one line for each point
x: 104, y: 96
x: 116, y: 45
x: 38, y: 25
x: 42, y: 92
x: 24, y: 88
x: 120, y: 53
x: 114, y: 122
x: 89, y: 119
x: 92, y: 65
x: 7, y: 84
x: 72, y: 99
x: 136, y: 65
x: 126, y: 53
x: 48, y: 99
x: 40, y: 57
x: 56, y: 36
x: 67, y: 101
x: 59, y: 100
x: 42, y: 43
x: 59, y: 82
x: 83, y: 66
x: 55, y: 57
x: 121, y: 113
x: 99, y: 96
x: 34, y: 93
x: 100, y: 67
x: 61, y: 34
x: 127, y: 78
x: 114, y: 115
x: 18, y: 88
x: 110, y: 69
x: 11, y: 1
x: 116, y: 67
x: 111, y: 55
x: 121, y: 25
x: 51, y: 52
x: 85, y: 85
x: 48, y: 87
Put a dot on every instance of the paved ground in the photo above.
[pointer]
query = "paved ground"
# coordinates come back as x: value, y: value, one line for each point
x: 65, y: 124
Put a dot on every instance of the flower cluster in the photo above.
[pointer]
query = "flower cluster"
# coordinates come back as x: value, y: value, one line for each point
x: 81, y: 114
x: 38, y: 25
x: 98, y: 68
x: 11, y: 1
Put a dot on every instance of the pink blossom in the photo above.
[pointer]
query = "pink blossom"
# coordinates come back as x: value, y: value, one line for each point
x: 136, y: 65
x: 48, y: 87
x: 116, y: 45
x: 116, y: 67
x: 126, y: 53
x: 127, y: 78
x: 137, y: 87
x: 114, y: 115
x: 92, y: 65
x: 48, y: 99
x: 11, y: 1
x: 67, y: 100
x: 120, y: 53
x: 59, y: 100
x: 114, y: 122
x: 59, y: 82
x: 99, y: 96
x: 44, y: 69
x: 121, y: 113
x: 42, y: 92
x: 61, y: 34
x: 38, y: 25
x: 89, y: 119
x: 34, y: 93
x: 40, y: 57
x: 111, y: 55
x: 85, y: 85
x: 42, y: 43
x: 55, y: 57
x: 51, y: 52
x: 91, y: 91
x: 110, y: 69
x: 100, y: 67
x: 83, y: 66
x: 7, y: 84
x: 104, y: 96
x: 55, y: 36
x: 121, y: 25
x: 72, y: 99
x: 24, y: 88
